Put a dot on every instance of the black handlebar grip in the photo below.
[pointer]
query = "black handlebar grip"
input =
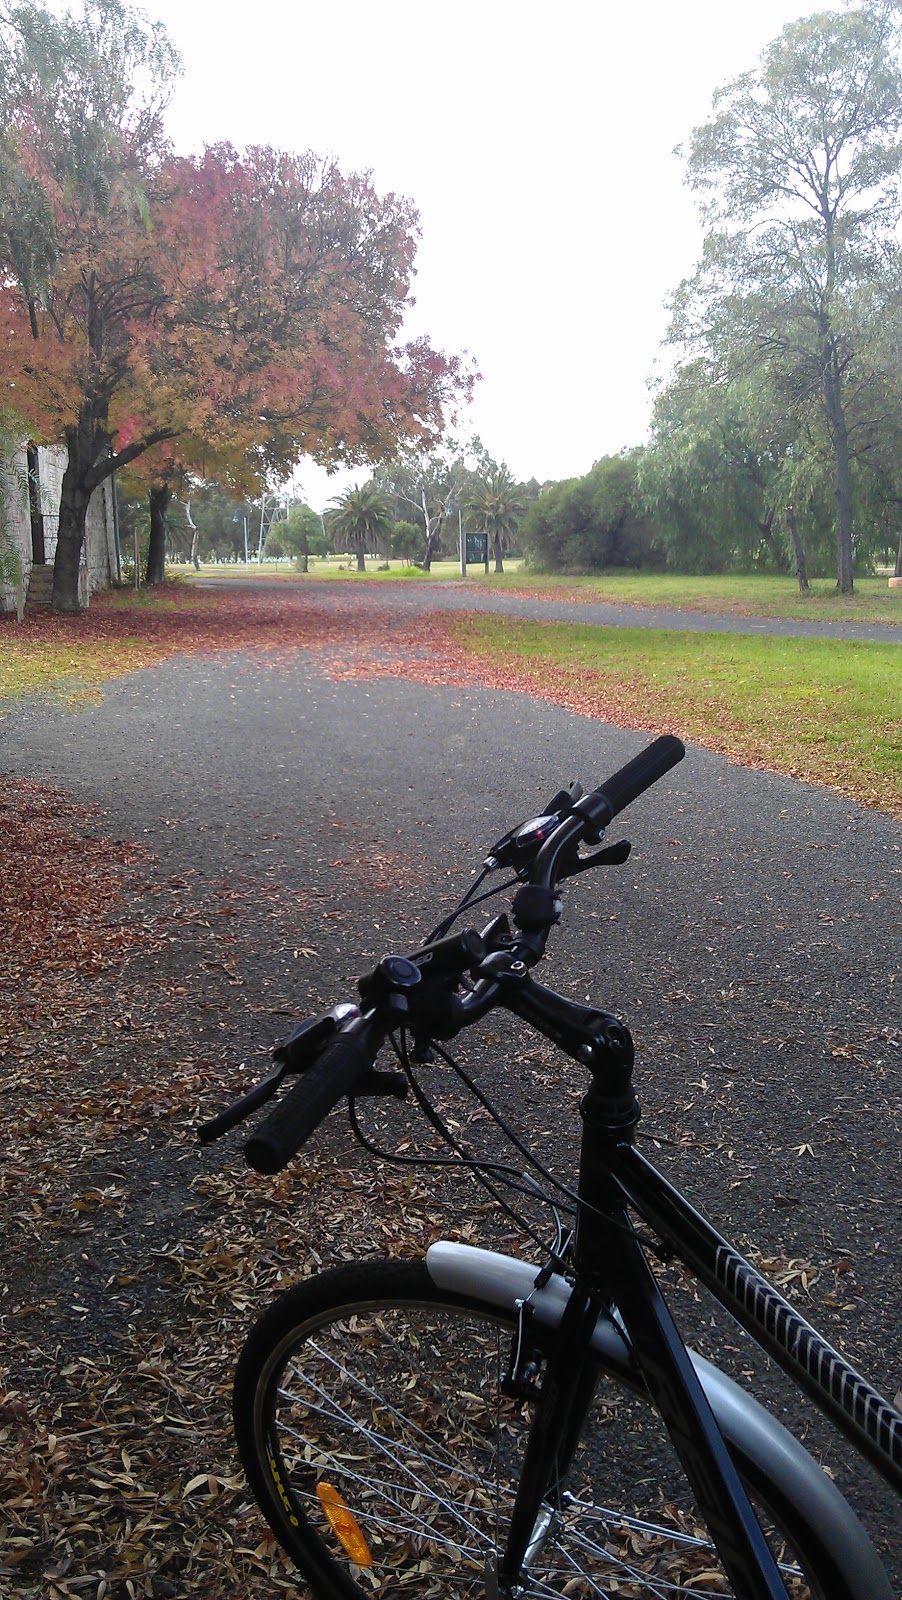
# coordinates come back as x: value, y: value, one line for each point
x: 309, y: 1102
x: 624, y: 786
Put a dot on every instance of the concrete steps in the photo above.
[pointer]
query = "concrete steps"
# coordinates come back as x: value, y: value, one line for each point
x: 40, y: 589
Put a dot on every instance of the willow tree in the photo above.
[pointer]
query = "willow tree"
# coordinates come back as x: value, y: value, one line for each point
x: 798, y: 170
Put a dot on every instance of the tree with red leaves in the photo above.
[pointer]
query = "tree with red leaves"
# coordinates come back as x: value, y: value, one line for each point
x: 223, y: 314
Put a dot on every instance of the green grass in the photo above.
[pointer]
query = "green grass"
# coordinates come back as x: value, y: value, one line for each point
x: 728, y: 594
x: 827, y: 710
x: 69, y: 658
x: 70, y: 672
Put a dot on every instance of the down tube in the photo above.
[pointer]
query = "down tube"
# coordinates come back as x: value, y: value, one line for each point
x: 867, y: 1419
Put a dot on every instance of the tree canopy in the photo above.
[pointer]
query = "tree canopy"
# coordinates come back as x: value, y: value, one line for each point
x: 301, y: 533
x: 221, y: 314
x: 798, y: 170
x: 587, y: 524
x: 360, y: 521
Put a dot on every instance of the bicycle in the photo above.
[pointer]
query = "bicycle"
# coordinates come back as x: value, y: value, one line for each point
x: 474, y: 1424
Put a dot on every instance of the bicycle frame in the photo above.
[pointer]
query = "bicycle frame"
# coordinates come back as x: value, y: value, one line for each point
x: 608, y: 1316
x: 613, y: 1281
x: 868, y: 1420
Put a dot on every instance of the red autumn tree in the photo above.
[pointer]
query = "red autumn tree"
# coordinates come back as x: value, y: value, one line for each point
x: 285, y: 284
x: 226, y: 313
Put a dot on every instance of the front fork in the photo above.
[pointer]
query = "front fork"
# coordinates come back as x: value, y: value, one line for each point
x: 561, y: 1405
x: 609, y: 1258
x: 611, y: 1269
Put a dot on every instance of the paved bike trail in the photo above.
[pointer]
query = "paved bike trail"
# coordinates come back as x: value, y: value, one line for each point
x: 452, y: 595
x: 751, y: 942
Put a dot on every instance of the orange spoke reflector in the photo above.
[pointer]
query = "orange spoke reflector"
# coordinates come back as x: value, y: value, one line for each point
x: 344, y: 1525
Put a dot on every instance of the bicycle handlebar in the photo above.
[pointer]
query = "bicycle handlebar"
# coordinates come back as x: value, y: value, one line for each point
x: 342, y: 1067
x: 333, y: 1075
x: 626, y: 785
x: 592, y: 813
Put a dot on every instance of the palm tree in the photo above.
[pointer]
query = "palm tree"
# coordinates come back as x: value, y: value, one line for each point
x: 495, y: 505
x: 360, y: 521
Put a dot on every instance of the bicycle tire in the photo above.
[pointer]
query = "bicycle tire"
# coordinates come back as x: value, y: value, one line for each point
x: 338, y: 1383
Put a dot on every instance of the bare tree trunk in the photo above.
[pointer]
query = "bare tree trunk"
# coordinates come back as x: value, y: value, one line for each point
x: 499, y: 561
x: 431, y: 543
x: 898, y: 570
x: 195, y: 535
x: 798, y: 550
x: 159, y: 496
x: 434, y: 523
x: 842, y: 486
x: 36, y: 514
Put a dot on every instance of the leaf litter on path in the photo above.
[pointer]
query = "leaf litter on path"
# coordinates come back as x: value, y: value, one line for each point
x: 132, y: 1266
x: 132, y: 1274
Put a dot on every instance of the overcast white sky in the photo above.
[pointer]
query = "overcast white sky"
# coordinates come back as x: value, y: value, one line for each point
x: 537, y: 145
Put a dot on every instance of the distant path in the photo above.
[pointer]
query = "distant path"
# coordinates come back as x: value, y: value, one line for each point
x: 448, y: 595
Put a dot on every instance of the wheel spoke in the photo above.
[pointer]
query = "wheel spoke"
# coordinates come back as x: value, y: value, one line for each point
x: 400, y: 1408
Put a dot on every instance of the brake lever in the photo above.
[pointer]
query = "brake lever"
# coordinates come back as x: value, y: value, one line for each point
x: 565, y: 799
x: 294, y: 1054
x: 215, y: 1127
x: 613, y: 855
x: 304, y: 1043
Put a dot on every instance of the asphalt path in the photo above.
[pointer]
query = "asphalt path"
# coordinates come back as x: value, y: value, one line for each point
x: 751, y: 942
x: 449, y: 595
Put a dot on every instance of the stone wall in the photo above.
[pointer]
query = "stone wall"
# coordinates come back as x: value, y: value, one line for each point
x: 98, y: 559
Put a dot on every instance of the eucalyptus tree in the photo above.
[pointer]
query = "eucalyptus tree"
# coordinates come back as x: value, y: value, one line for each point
x: 302, y: 533
x: 428, y: 487
x: 360, y: 520
x: 724, y: 461
x: 798, y: 170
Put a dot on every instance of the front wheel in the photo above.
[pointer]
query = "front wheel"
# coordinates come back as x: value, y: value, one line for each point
x: 379, y: 1443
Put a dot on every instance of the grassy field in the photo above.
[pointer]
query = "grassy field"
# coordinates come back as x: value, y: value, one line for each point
x: 727, y: 594
x: 826, y: 710
x: 730, y: 594
x: 337, y: 567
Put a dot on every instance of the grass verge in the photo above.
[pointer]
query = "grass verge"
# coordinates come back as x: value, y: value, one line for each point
x: 723, y: 594
x: 68, y: 658
x: 828, y: 711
